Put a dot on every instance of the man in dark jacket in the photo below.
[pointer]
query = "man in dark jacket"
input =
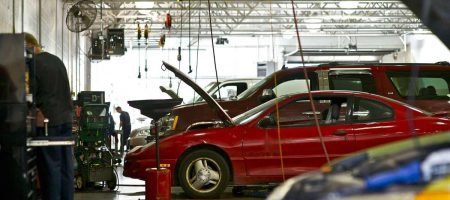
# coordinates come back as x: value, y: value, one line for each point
x: 53, y: 100
x: 126, y: 127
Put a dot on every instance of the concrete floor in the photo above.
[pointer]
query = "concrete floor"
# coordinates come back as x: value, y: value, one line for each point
x: 135, y: 189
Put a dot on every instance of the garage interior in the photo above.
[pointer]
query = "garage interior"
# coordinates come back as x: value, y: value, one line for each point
x: 118, y: 46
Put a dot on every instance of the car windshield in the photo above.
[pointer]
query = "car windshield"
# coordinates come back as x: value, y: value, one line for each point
x: 256, y: 111
x: 252, y: 89
x: 208, y: 88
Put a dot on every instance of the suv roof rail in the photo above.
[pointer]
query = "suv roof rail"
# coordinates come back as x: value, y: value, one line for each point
x: 335, y: 64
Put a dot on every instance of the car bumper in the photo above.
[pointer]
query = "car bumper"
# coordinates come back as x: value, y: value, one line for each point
x: 139, y: 168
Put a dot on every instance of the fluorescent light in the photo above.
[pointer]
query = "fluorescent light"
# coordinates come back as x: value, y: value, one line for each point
x: 348, y: 4
x: 144, y: 5
x: 141, y: 4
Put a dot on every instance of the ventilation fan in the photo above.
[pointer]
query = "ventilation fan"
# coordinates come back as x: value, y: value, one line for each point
x: 81, y: 16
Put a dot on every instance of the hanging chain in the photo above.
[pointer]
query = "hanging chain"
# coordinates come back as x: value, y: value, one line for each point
x: 139, y: 35
x: 198, y: 44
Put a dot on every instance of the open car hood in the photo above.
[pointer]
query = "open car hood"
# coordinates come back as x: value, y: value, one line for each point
x: 435, y: 15
x: 211, y: 102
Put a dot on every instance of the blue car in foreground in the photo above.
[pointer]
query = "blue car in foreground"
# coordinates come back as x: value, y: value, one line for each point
x: 413, y: 169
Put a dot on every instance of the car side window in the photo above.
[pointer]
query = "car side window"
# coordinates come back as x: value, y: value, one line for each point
x: 355, y: 82
x: 365, y: 110
x: 295, y: 83
x: 329, y: 110
x: 291, y: 86
x: 426, y: 84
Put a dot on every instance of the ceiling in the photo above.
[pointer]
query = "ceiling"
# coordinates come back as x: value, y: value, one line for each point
x: 254, y: 18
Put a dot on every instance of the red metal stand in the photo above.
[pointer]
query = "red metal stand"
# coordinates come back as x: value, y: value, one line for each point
x: 158, y: 184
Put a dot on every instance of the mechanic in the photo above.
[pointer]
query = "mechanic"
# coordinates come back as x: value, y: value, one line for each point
x: 53, y: 100
x: 126, y: 127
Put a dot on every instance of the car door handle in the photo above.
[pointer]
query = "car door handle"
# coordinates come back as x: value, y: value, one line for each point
x: 340, y: 133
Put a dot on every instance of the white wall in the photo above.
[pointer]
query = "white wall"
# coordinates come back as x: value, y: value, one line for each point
x: 427, y: 48
x: 52, y: 32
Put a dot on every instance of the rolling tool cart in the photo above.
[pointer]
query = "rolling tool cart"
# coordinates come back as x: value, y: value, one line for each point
x: 94, y: 161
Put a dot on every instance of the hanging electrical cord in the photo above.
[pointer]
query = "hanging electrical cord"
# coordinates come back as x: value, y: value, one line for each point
x: 139, y: 48
x: 316, y: 120
x: 212, y: 43
x: 198, y: 45
x: 280, y: 148
x: 179, y: 47
x: 146, y: 30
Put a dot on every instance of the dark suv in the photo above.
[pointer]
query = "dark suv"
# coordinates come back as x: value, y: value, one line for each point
x: 426, y: 86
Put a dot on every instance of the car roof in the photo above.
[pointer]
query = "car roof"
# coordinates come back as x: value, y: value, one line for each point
x: 336, y: 65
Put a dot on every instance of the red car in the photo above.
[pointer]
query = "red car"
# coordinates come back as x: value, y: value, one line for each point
x: 244, y: 150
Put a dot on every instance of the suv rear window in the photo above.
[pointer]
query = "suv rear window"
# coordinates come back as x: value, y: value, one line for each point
x: 426, y: 84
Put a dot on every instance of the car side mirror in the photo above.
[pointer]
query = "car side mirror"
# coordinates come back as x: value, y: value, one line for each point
x: 214, y: 96
x: 266, y: 95
x: 267, y: 121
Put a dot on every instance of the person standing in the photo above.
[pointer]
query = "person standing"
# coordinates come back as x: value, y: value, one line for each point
x: 53, y: 101
x: 111, y: 132
x: 126, y: 127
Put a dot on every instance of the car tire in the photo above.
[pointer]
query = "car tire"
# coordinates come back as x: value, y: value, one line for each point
x: 112, y: 184
x: 203, y: 174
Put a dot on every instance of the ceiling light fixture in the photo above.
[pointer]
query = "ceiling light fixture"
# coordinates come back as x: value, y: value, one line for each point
x: 143, y: 5
x: 348, y: 5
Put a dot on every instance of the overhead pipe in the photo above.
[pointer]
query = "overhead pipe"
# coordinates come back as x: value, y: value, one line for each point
x: 404, y: 8
x: 367, y: 23
x: 406, y: 16
x: 245, y: 1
